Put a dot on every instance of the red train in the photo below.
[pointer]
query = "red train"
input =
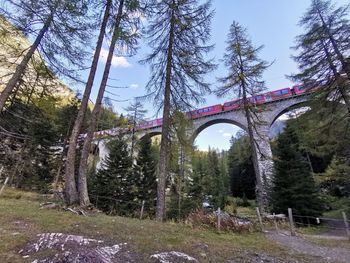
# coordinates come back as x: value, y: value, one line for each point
x: 237, y: 104
x: 227, y: 106
x: 150, y: 124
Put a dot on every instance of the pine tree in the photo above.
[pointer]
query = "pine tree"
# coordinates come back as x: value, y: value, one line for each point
x: 244, y: 79
x: 240, y: 167
x: 145, y: 171
x: 114, y: 184
x: 197, y: 188
x: 178, y: 32
x: 217, y: 190
x: 294, y: 186
x: 324, y: 48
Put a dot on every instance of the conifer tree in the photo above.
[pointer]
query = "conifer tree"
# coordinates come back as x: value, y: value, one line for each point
x: 240, y: 167
x: 136, y: 114
x: 178, y: 32
x: 294, y: 186
x: 324, y: 48
x: 145, y: 171
x: 113, y: 184
x: 59, y: 28
x: 197, y: 188
x: 244, y: 79
x: 71, y: 190
x: 125, y: 34
x: 217, y: 190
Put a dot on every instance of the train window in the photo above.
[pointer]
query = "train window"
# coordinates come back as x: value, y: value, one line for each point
x: 205, y: 110
x: 210, y: 109
x: 277, y: 93
x: 285, y: 91
x: 259, y: 97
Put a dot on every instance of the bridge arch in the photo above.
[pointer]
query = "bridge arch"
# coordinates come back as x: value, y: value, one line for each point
x: 284, y: 106
x: 209, y: 123
x: 150, y: 134
x: 288, y: 109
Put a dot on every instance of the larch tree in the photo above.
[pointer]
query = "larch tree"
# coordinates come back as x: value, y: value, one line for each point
x: 59, y: 29
x: 324, y: 49
x: 136, y: 114
x: 244, y: 79
x: 71, y: 192
x: 178, y: 32
x: 125, y: 33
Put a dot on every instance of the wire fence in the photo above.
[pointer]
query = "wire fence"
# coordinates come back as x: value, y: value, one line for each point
x: 294, y: 222
x: 321, y: 222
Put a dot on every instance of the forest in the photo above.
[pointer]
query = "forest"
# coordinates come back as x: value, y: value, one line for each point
x: 44, y: 44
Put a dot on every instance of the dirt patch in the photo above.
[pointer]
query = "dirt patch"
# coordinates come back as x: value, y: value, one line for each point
x: 303, y: 246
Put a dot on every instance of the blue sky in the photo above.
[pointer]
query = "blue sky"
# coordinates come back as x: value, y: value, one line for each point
x: 272, y: 23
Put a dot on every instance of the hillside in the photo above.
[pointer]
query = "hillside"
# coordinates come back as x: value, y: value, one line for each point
x: 12, y: 45
x: 120, y: 239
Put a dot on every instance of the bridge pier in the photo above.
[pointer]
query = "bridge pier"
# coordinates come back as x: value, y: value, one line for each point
x: 265, y: 164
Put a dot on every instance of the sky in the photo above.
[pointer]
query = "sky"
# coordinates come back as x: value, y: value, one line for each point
x: 272, y: 23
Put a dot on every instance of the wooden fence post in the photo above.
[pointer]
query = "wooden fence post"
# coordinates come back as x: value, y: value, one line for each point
x: 219, y: 219
x: 142, y: 207
x: 275, y: 222
x: 346, y: 224
x: 291, y: 223
x: 259, y: 219
x: 6, y: 180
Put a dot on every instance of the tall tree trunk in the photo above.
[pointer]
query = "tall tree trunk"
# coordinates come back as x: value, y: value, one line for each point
x: 20, y: 69
x: 82, y: 178
x: 260, y: 192
x: 259, y: 188
x: 165, y: 141
x: 343, y: 62
x: 70, y: 188
x: 336, y: 76
x: 133, y: 134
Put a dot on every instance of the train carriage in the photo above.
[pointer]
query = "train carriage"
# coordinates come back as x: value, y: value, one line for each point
x: 232, y: 105
x: 279, y: 94
x: 205, y: 111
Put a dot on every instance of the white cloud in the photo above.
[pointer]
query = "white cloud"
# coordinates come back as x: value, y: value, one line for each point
x: 221, y: 131
x: 226, y: 134
x: 134, y: 86
x: 116, y: 61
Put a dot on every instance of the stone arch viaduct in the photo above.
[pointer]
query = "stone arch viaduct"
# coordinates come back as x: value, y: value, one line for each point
x: 266, y: 116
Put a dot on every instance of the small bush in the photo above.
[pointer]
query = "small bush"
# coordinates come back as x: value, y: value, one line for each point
x: 228, y: 223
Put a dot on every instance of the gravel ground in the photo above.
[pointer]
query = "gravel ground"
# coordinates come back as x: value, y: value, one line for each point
x: 303, y: 246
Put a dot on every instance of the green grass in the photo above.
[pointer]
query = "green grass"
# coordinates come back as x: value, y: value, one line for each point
x: 21, y: 219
